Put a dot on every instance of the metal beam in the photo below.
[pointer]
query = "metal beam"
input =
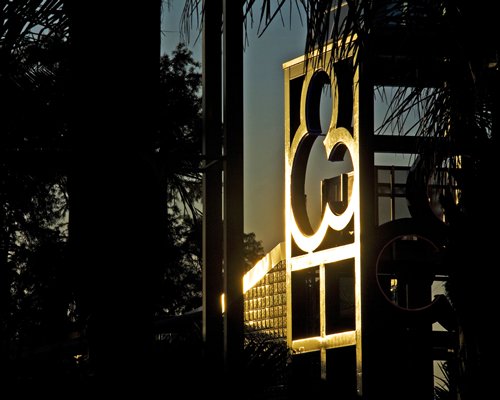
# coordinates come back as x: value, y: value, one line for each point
x: 233, y: 186
x: 212, y: 185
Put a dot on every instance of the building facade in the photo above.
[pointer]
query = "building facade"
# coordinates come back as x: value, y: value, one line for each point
x: 358, y: 295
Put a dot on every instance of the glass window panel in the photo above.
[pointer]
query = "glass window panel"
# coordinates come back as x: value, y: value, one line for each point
x: 401, y: 205
x: 400, y: 176
x: 305, y: 303
x: 384, y: 210
x: 339, y: 297
x: 384, y: 175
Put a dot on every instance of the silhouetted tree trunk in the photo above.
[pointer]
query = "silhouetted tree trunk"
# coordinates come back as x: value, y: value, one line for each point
x: 115, y: 213
x: 4, y: 289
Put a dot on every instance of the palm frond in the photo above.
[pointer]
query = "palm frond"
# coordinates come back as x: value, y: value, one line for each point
x: 28, y: 20
x: 444, y: 388
x: 191, y: 13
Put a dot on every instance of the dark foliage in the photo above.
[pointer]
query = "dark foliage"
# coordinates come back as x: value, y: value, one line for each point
x: 178, y: 149
x: 266, y: 361
x: 36, y: 306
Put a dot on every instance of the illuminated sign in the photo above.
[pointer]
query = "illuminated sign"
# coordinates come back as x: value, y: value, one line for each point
x: 323, y: 262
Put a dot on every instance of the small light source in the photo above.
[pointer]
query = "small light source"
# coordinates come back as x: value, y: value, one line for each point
x: 78, y: 358
x: 223, y: 303
x: 394, y: 290
x: 394, y: 284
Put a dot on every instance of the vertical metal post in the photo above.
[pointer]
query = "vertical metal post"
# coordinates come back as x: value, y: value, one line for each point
x: 212, y: 185
x: 233, y: 186
x: 366, y: 363
x: 322, y: 318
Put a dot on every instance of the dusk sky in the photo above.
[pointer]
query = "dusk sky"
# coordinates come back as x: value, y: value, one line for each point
x: 263, y: 113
